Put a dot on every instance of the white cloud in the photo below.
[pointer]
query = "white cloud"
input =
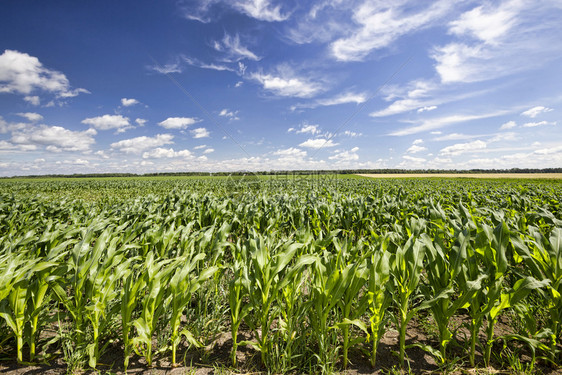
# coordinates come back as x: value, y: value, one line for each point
x: 239, y: 83
x: 234, y: 49
x: 209, y: 150
x: 197, y: 63
x: 306, y: 129
x: 413, y: 159
x: 55, y: 138
x: 352, y: 134
x: 461, y: 148
x: 200, y: 133
x: 107, y: 122
x: 178, y: 122
x: 140, y: 121
x: 291, y: 152
x: 159, y: 153
x: 427, y: 108
x: 541, y: 123
x: 33, y: 100
x: 456, y: 62
x: 380, y: 25
x: 535, y: 111
x: 167, y: 68
x: 508, y: 125
x: 128, y: 102
x: 440, y: 122
x: 344, y: 98
x: 318, y: 143
x: 415, y: 149
x: 349, y: 155
x: 455, y: 137
x: 30, y: 116
x: 262, y: 10
x: 549, y: 151
x: 231, y: 115
x: 485, y: 23
x: 139, y: 144
x: 284, y: 82
x: 499, y: 39
x: 199, y: 147
x: 22, y: 74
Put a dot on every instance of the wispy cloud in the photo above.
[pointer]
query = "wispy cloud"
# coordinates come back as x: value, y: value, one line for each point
x: 262, y: 10
x: 441, y: 122
x: 535, y: 111
x: 461, y: 148
x: 234, y: 49
x: 380, y: 25
x: 540, y: 123
x: 344, y: 98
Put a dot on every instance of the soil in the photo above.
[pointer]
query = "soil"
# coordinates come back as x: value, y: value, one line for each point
x: 214, y: 359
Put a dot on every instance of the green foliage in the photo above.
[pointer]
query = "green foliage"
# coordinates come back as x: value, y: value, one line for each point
x: 307, y: 270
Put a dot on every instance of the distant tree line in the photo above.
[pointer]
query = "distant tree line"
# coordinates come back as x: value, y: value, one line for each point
x: 297, y: 172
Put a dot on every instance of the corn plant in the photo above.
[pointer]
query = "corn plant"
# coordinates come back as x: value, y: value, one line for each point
x: 186, y: 280
x: 156, y: 274
x: 405, y: 269
x: 378, y: 294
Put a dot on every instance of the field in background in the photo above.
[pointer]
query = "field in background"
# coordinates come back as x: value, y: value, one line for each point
x: 280, y: 274
x: 522, y: 176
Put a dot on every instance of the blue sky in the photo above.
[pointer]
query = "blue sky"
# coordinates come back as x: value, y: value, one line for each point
x: 215, y: 85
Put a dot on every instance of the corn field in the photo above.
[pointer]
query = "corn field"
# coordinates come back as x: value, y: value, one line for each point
x: 300, y: 276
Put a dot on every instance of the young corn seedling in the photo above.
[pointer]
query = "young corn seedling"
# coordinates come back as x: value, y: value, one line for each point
x: 405, y: 268
x: 156, y: 277
x: 186, y: 280
x: 544, y: 261
x: 268, y: 274
x: 378, y: 296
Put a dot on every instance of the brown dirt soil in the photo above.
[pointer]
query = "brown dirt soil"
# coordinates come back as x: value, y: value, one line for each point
x: 214, y: 359
x: 555, y: 176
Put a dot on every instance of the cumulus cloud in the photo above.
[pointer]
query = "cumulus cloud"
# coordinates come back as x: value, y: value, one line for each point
x: 140, y: 121
x: 291, y: 153
x: 128, y: 102
x: 107, y: 122
x: 461, y: 148
x: 318, y: 143
x: 209, y: 150
x: 508, y: 125
x: 55, y: 138
x: 200, y: 133
x: 30, y: 116
x: 415, y: 147
x: 140, y: 144
x: 159, y: 153
x: 347, y: 155
x: 231, y: 115
x: 178, y: 122
x: 32, y: 99
x: 305, y: 129
x: 535, y: 111
x: 284, y: 82
x: 21, y: 73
